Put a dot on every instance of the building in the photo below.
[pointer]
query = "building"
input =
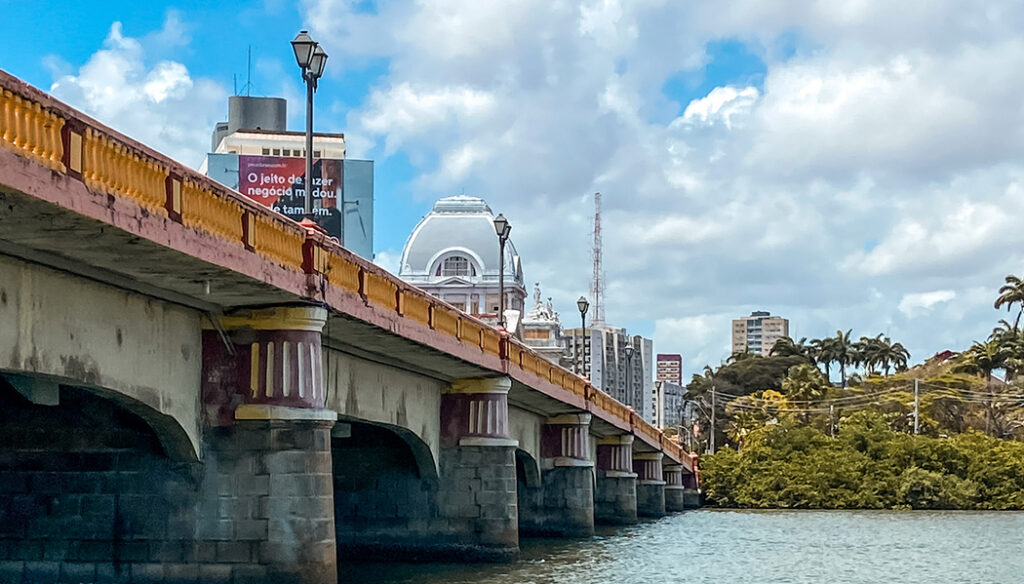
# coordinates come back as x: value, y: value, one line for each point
x: 542, y: 330
x: 601, y: 356
x: 453, y: 253
x: 670, y: 368
x: 758, y: 332
x: 255, y: 154
x: 669, y: 404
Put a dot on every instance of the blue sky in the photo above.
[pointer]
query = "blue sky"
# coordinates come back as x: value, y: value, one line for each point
x: 846, y: 166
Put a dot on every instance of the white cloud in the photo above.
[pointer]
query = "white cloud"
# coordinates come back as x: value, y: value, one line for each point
x: 922, y: 302
x: 160, y: 105
x: 878, y: 159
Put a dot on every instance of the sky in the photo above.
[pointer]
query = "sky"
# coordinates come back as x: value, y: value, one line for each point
x: 847, y: 165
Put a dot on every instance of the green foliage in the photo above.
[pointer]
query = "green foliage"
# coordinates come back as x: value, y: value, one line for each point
x: 868, y: 465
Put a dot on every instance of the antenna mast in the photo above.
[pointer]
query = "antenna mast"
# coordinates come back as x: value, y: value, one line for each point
x: 597, y: 284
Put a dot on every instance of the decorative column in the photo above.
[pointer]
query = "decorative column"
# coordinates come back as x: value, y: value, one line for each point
x: 650, y: 484
x: 267, y: 490
x: 565, y: 505
x: 615, y: 501
x: 674, y: 489
x: 477, y: 473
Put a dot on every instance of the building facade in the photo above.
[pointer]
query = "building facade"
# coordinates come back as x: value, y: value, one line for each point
x: 669, y: 404
x: 255, y: 154
x: 453, y: 253
x: 758, y: 332
x: 601, y: 356
x: 670, y: 368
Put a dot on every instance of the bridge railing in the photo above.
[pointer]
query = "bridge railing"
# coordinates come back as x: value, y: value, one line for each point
x: 44, y: 130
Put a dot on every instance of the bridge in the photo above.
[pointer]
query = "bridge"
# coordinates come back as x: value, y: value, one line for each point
x: 195, y: 388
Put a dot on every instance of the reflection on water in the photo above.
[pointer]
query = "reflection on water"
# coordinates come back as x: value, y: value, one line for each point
x: 756, y: 547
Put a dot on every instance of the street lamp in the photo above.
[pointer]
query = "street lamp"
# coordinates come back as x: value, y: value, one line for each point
x: 502, y: 228
x: 583, y: 305
x: 312, y: 59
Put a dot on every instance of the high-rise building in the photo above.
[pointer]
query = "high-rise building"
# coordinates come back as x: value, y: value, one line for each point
x: 758, y: 332
x: 669, y: 404
x: 610, y: 367
x: 256, y: 155
x: 453, y: 253
x: 670, y: 368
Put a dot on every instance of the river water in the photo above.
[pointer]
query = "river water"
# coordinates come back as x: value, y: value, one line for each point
x: 755, y: 547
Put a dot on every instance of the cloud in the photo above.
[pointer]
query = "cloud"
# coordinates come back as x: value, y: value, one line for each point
x: 159, y: 104
x: 876, y: 159
x: 916, y: 304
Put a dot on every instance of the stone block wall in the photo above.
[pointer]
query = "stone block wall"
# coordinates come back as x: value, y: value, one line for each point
x: 562, y: 507
x: 615, y: 502
x: 87, y: 494
x: 650, y: 498
x: 674, y: 498
x: 386, y: 510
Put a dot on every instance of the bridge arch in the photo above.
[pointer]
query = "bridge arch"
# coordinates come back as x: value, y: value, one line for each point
x: 91, y: 477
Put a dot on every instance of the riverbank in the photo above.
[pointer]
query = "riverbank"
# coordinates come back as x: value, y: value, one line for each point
x: 866, y: 466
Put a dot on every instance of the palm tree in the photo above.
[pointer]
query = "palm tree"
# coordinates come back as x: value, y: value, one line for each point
x: 898, y: 356
x: 843, y: 352
x: 820, y: 351
x: 1012, y: 293
x: 1011, y: 345
x: 787, y: 347
x: 982, y: 358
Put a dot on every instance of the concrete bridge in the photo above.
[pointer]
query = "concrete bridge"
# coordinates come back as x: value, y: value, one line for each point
x: 196, y: 389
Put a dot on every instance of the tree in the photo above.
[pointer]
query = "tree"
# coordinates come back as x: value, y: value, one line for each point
x: 787, y: 347
x: 843, y: 352
x: 820, y: 351
x: 1012, y: 293
x: 804, y: 383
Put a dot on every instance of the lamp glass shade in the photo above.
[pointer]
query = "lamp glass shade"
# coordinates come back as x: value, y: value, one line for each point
x: 318, y: 62
x: 583, y: 305
x: 501, y: 226
x: 629, y: 351
x: 303, y: 45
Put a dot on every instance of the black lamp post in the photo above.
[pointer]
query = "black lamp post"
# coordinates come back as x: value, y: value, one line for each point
x: 311, y: 59
x: 502, y: 228
x: 583, y: 305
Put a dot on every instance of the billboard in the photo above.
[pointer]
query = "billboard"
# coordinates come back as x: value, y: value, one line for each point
x: 279, y: 183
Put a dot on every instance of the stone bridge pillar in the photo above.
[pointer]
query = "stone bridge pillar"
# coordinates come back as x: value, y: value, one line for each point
x: 564, y: 504
x: 650, y: 484
x: 674, y: 489
x: 267, y: 499
x: 691, y: 492
x: 615, y: 501
x: 476, y: 497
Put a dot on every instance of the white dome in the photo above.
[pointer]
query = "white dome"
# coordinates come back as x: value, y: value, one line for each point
x: 458, y: 226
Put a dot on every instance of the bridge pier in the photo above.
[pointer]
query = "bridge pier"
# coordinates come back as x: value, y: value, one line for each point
x: 564, y: 505
x: 266, y: 497
x: 650, y: 485
x: 477, y: 472
x: 675, y: 499
x: 615, y: 501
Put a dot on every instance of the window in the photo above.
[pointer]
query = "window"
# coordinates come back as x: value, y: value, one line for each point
x: 316, y: 154
x: 455, y: 266
x: 277, y: 151
x: 286, y: 152
x: 266, y: 151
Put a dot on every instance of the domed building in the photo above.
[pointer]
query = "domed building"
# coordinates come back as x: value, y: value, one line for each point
x: 453, y: 254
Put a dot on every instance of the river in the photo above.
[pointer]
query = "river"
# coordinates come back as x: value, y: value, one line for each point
x: 755, y: 547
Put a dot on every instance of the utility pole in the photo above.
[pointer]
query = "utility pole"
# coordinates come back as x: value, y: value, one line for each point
x: 713, y: 419
x: 832, y: 420
x: 917, y: 419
